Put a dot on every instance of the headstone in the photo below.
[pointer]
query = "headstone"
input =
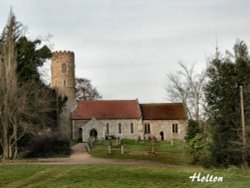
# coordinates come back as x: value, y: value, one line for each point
x: 87, y: 147
x: 109, y: 149
x: 122, y: 150
x: 172, y: 142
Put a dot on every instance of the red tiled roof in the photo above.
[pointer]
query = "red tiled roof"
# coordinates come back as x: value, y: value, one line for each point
x: 163, y: 111
x: 105, y: 109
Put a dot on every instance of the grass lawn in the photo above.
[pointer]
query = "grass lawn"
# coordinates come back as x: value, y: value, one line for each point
x: 109, y: 176
x: 164, y: 152
x: 123, y: 175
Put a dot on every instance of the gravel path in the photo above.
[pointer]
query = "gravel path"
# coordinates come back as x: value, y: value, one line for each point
x: 79, y: 155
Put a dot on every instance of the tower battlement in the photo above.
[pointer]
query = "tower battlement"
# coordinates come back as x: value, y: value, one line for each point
x: 62, y: 52
x: 63, y: 71
x: 61, y: 57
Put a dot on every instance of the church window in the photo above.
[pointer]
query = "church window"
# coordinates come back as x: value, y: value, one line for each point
x: 132, y: 128
x: 175, y: 128
x: 80, y: 134
x: 107, y: 128
x: 120, y: 128
x: 64, y: 68
x: 147, y: 128
x: 64, y: 83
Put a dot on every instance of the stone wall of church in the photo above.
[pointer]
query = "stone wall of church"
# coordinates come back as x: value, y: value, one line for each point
x: 76, y: 129
x: 163, y: 129
x: 131, y: 129
x: 93, y: 128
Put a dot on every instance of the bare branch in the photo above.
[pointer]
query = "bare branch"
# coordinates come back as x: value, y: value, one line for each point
x: 187, y: 86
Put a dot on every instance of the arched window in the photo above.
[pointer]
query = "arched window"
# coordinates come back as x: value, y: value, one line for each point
x: 174, y: 128
x: 147, y: 128
x: 64, y: 68
x: 107, y: 128
x: 119, y: 128
x: 131, y: 128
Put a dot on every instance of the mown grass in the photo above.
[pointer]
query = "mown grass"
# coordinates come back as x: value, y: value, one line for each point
x: 121, y: 176
x: 165, y: 152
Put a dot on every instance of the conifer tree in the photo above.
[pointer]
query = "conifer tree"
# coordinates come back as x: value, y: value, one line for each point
x: 222, y: 92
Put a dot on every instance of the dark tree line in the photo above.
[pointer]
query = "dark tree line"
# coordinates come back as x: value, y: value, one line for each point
x: 226, y: 74
x: 28, y: 107
x: 219, y: 139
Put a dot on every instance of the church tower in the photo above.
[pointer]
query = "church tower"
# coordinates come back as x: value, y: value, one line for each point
x: 63, y: 81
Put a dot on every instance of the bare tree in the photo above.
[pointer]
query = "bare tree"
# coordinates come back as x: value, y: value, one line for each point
x: 85, y: 90
x: 186, y: 86
x: 8, y: 87
x: 22, y: 105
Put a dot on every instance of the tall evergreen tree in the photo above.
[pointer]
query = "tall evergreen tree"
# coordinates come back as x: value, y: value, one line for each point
x: 30, y: 56
x: 222, y: 92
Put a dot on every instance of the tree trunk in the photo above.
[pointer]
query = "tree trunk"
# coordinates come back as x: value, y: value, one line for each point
x: 5, y: 143
x: 15, y: 144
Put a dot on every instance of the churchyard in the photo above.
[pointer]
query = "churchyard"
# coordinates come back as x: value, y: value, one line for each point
x: 168, y: 166
x: 168, y: 152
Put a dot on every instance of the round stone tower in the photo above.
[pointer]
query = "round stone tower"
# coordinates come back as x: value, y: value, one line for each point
x: 63, y: 80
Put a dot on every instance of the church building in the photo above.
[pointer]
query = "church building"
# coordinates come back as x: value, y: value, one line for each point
x: 128, y: 119
x: 100, y: 119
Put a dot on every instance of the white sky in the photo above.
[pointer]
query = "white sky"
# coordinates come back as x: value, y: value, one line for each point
x: 126, y: 47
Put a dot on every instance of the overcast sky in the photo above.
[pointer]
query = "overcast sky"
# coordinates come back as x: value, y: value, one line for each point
x: 126, y: 47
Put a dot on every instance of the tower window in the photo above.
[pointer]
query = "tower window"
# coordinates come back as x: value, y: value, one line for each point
x: 175, y: 128
x: 64, y: 82
x: 64, y: 68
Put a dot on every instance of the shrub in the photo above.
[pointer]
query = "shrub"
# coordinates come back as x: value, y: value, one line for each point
x: 198, y: 147
x: 47, y: 146
x: 192, y: 130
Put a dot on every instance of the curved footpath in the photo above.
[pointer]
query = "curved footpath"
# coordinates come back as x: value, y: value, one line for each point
x: 81, y: 156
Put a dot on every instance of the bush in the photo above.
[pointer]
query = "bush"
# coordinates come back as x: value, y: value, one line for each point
x: 47, y: 146
x: 198, y: 147
x: 192, y: 129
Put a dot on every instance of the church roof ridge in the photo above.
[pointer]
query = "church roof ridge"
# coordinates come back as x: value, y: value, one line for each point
x: 108, y: 100
x: 163, y: 103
